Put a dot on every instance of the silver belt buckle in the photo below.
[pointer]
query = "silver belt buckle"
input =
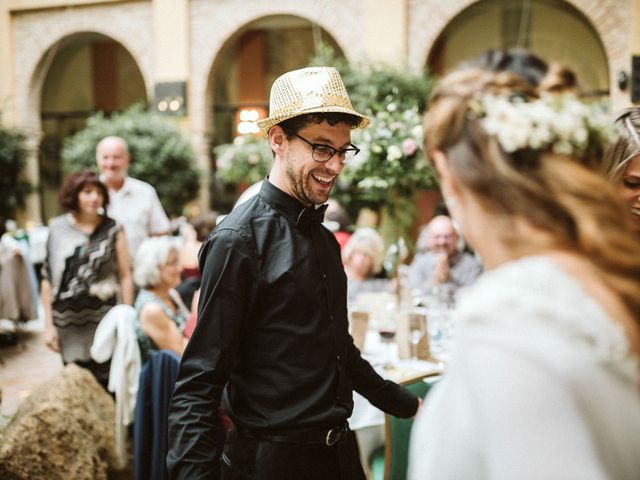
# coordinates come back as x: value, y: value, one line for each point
x: 334, y: 435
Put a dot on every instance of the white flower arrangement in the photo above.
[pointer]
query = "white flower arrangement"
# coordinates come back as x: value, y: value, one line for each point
x: 564, y: 125
x: 391, y: 156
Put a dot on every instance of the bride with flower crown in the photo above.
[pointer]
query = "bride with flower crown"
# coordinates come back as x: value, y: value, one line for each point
x: 544, y: 378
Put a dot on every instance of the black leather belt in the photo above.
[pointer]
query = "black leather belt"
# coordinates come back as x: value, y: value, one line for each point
x: 325, y: 437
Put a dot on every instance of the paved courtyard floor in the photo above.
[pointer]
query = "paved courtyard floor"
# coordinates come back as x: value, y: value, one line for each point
x: 25, y: 366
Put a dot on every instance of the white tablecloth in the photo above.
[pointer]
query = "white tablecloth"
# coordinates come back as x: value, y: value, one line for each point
x: 366, y: 420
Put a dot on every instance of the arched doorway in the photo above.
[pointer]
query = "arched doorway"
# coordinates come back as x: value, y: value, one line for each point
x: 85, y: 73
x: 243, y: 71
x: 553, y: 29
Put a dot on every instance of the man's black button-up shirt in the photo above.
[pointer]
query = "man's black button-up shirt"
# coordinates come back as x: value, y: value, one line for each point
x: 272, y: 336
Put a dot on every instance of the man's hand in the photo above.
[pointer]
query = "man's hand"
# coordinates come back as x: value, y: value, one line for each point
x: 420, y: 403
x: 441, y: 272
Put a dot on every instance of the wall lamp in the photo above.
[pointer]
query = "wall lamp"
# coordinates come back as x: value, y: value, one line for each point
x: 171, y: 98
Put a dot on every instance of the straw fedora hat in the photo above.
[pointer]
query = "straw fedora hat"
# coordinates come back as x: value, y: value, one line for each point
x: 308, y: 90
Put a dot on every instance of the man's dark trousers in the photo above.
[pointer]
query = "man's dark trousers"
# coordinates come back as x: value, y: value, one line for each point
x: 247, y: 458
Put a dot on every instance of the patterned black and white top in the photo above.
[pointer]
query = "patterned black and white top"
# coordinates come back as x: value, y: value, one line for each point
x: 83, y: 272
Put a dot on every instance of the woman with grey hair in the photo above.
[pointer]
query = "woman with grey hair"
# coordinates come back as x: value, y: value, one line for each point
x: 621, y: 164
x: 363, y: 256
x: 160, y: 313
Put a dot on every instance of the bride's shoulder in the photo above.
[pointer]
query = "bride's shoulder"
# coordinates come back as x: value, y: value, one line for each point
x: 521, y: 283
x: 537, y: 303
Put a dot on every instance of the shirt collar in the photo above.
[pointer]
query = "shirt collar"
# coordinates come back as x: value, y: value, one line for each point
x: 124, y: 188
x: 294, y: 211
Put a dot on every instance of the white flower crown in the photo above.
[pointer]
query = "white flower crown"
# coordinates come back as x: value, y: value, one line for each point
x: 564, y: 125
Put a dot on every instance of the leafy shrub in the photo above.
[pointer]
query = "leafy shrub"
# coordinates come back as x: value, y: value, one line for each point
x: 13, y: 187
x: 391, y: 167
x: 160, y: 154
x: 246, y: 160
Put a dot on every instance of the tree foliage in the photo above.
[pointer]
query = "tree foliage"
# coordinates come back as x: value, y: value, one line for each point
x: 160, y: 154
x: 391, y: 167
x: 13, y: 187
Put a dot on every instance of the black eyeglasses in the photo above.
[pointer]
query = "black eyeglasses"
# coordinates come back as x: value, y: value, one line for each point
x: 323, y: 153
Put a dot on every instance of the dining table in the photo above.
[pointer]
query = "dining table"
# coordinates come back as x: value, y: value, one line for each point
x: 367, y: 421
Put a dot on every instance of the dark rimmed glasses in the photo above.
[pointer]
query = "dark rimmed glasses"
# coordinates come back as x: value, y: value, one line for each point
x: 323, y: 153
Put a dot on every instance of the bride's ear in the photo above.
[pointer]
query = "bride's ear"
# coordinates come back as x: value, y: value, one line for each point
x: 448, y: 182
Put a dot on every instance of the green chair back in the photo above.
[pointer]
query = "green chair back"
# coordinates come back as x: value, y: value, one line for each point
x: 398, y: 432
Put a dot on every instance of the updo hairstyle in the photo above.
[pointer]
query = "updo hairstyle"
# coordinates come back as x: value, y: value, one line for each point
x: 561, y: 195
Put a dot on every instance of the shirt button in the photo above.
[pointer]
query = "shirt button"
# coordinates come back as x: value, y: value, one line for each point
x: 331, y: 317
x: 324, y: 276
x: 338, y: 357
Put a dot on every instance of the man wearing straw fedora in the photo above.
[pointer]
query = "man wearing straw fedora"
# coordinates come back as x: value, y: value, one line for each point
x: 272, y: 341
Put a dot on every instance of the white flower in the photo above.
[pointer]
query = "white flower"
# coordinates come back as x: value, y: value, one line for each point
x: 392, y: 107
x: 563, y: 124
x: 394, y: 153
x: 580, y: 136
x: 372, y: 182
x: 563, y: 147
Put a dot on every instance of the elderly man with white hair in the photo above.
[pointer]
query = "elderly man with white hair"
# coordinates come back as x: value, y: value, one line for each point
x: 438, y: 261
x: 134, y: 204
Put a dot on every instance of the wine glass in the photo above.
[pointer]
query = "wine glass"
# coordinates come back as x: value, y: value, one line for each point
x: 387, y: 334
x: 387, y: 331
x: 417, y: 329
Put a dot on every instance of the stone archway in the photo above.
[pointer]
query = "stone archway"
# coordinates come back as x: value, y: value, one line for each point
x: 243, y: 71
x: 208, y: 37
x: 428, y: 19
x: 38, y: 33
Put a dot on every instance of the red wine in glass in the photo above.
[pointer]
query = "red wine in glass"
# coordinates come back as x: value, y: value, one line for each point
x: 387, y: 334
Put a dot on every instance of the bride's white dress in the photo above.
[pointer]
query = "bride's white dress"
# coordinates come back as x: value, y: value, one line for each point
x: 540, y: 386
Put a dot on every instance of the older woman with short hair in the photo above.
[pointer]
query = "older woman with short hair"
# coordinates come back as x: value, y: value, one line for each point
x: 363, y: 257
x: 160, y: 312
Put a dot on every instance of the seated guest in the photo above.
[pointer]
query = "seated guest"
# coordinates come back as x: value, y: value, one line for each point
x: 438, y: 261
x: 338, y: 221
x: 362, y: 256
x: 193, y: 234
x: 160, y: 312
